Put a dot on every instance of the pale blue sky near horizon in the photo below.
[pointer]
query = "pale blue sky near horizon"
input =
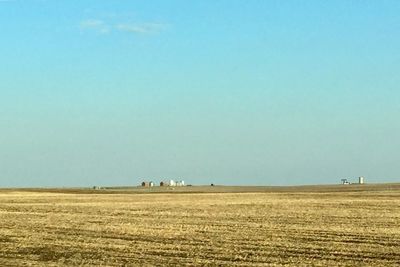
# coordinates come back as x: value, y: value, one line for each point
x: 107, y: 92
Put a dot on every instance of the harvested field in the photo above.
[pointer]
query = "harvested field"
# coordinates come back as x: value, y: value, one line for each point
x: 319, y: 228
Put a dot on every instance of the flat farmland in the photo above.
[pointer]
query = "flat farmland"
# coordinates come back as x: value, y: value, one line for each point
x: 326, y: 226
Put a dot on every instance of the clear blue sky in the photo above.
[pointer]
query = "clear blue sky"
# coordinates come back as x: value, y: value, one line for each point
x: 97, y: 92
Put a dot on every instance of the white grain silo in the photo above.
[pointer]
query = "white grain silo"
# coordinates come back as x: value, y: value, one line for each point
x: 360, y: 180
x: 180, y: 183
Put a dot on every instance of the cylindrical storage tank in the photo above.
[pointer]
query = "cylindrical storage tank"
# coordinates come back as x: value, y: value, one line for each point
x: 360, y: 180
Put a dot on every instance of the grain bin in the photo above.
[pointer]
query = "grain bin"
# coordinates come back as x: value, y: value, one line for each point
x: 360, y: 180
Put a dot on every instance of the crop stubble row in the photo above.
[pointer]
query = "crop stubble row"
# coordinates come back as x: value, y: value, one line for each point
x: 349, y: 228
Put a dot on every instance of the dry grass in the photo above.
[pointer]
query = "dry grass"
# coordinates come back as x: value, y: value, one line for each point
x: 242, y: 229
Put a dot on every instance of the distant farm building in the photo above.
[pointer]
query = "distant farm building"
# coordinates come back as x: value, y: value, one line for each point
x: 164, y: 183
x: 97, y: 187
x: 147, y: 184
x: 344, y: 181
x: 180, y: 183
x: 172, y: 183
x: 361, y: 180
